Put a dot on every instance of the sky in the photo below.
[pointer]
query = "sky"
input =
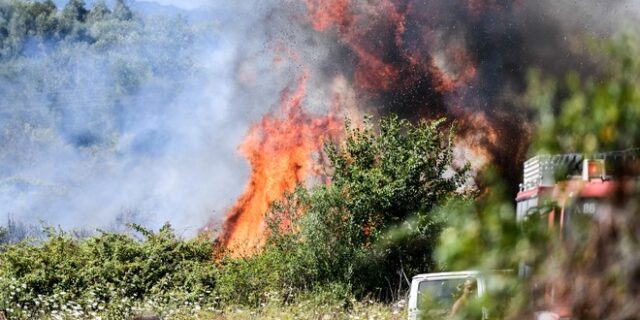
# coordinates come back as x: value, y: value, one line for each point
x: 183, y: 4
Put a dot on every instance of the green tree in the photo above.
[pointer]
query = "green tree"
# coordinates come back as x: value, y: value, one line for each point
x: 75, y: 10
x: 17, y: 29
x: 99, y: 12
x: 381, y: 183
x: 3, y: 235
x: 44, y: 14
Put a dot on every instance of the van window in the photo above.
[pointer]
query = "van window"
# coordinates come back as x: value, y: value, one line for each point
x: 440, y: 294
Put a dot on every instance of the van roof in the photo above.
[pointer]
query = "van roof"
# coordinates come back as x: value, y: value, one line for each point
x: 447, y: 274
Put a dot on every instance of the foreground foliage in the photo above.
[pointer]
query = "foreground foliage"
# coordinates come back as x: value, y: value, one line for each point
x: 391, y: 193
x: 109, y: 275
x: 599, y: 115
x: 117, y: 276
x: 597, y: 276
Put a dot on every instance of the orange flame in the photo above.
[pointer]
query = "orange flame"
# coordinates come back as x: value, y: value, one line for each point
x: 327, y: 13
x: 359, y: 22
x: 280, y: 151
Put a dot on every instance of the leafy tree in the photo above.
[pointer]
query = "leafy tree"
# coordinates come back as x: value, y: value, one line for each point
x: 44, y: 14
x: 75, y: 10
x: 39, y: 13
x: 17, y: 29
x: 3, y: 235
x: 99, y: 12
x: 378, y: 180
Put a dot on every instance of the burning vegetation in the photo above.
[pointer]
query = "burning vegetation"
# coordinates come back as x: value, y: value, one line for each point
x: 462, y: 60
x: 280, y: 149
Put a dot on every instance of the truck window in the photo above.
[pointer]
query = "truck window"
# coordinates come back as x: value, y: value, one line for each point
x: 439, y: 295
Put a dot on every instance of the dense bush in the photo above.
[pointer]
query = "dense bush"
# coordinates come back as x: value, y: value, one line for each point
x: 109, y: 274
x: 374, y: 223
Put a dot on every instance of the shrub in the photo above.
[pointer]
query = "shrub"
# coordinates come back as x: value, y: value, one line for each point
x: 107, y: 274
x: 380, y: 180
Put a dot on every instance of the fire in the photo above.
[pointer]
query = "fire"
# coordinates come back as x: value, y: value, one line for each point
x: 327, y: 13
x: 471, y: 146
x: 422, y: 60
x: 279, y: 149
x: 375, y: 33
x: 417, y: 59
x: 389, y: 61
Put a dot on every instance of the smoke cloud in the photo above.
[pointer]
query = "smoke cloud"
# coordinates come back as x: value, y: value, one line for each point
x: 142, y: 129
x: 466, y: 60
x: 146, y: 129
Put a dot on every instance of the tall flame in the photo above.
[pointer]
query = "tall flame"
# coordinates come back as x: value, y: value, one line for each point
x: 279, y: 149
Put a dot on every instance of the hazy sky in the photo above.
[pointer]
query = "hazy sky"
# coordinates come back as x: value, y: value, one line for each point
x: 185, y: 4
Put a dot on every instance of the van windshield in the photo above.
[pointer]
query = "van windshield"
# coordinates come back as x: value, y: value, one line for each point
x: 440, y: 295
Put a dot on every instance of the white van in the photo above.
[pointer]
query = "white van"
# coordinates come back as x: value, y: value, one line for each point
x: 442, y: 289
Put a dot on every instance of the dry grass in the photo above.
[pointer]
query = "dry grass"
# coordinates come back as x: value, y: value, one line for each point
x: 359, y: 310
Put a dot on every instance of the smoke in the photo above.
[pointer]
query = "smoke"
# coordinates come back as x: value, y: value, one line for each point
x: 142, y: 128
x: 189, y: 4
x: 146, y: 128
x: 466, y: 60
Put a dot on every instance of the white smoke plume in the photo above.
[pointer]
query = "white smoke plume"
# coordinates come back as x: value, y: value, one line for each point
x: 144, y: 130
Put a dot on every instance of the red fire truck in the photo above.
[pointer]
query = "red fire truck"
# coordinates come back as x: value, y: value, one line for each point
x: 569, y: 190
x: 572, y: 189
